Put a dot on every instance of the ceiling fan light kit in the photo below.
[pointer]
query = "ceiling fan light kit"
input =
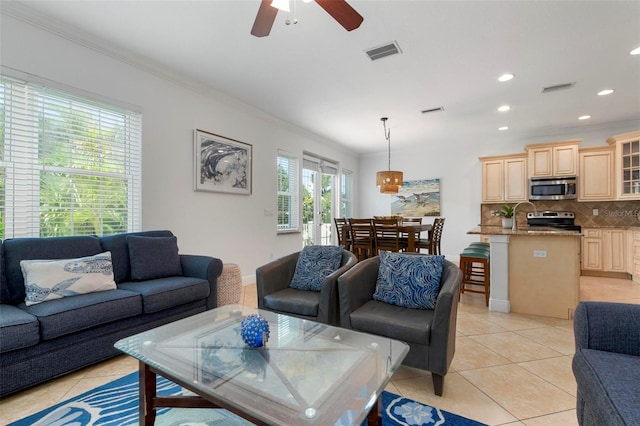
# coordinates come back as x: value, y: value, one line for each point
x: 389, y: 181
x: 340, y: 10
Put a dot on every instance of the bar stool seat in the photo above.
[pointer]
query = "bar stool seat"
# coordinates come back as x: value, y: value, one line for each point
x: 474, y: 263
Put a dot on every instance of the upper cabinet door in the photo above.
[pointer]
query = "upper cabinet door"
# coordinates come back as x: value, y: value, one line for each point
x: 492, y: 181
x: 596, y: 174
x: 553, y: 159
x: 516, y: 186
x: 627, y: 175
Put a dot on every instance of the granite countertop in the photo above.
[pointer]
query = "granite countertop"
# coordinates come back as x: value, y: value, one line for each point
x: 535, y: 231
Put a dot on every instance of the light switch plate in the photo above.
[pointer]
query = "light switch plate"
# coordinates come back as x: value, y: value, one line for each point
x: 539, y: 253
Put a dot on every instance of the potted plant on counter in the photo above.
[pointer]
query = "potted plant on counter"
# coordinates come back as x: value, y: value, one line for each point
x: 506, y: 211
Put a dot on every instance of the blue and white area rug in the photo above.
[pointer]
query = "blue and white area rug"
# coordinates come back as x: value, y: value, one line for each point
x: 116, y: 404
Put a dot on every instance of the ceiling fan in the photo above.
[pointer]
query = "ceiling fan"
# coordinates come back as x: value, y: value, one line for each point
x: 338, y: 9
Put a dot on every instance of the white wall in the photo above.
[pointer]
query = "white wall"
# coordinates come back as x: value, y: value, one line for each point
x: 457, y: 166
x: 231, y: 227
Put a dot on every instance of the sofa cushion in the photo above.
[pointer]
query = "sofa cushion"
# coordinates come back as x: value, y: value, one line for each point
x: 71, y: 314
x: 294, y: 301
x: 396, y: 322
x: 610, y: 384
x: 18, y: 249
x: 153, y: 257
x: 18, y: 329
x: 54, y: 279
x: 168, y: 292
x: 411, y: 281
x: 314, y: 264
x: 117, y: 245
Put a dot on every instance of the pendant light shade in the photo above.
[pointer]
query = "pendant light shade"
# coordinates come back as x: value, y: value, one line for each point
x: 389, y: 181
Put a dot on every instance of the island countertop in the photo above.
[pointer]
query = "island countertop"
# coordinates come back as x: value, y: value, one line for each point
x: 531, y: 231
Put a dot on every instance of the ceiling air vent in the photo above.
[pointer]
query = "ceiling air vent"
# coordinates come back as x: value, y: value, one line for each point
x: 558, y: 87
x: 383, y: 51
x: 426, y: 111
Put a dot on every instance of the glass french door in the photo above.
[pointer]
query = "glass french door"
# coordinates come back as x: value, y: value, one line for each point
x: 319, y: 177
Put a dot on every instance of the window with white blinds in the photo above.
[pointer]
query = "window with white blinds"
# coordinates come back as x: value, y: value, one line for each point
x: 68, y: 165
x: 288, y: 193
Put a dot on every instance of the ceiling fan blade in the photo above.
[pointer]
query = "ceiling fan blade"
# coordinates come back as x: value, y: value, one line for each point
x: 264, y: 19
x: 342, y: 12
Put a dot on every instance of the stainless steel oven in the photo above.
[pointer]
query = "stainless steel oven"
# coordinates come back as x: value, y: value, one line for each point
x: 554, y: 188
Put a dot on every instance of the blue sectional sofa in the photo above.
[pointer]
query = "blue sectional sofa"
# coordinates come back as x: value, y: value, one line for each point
x: 153, y: 286
x: 606, y: 363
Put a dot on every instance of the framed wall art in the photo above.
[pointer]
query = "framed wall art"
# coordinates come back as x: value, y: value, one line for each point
x: 417, y: 198
x: 222, y: 164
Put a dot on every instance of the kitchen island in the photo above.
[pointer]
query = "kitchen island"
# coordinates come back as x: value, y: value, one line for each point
x: 534, y: 270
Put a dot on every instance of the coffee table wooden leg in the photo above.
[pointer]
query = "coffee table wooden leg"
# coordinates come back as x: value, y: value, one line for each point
x: 147, y: 394
x: 374, y: 418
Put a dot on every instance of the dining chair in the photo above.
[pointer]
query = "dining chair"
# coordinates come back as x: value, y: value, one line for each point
x: 405, y: 235
x: 432, y: 244
x: 343, y: 232
x: 388, y: 236
x: 363, y: 240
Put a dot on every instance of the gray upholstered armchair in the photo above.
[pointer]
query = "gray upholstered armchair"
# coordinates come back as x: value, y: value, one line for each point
x: 606, y: 363
x: 431, y: 334
x: 275, y: 294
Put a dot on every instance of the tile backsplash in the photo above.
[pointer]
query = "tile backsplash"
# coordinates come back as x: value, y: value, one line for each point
x: 610, y: 213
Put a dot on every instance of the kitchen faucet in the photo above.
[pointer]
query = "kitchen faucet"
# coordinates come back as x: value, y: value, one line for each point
x: 514, y: 227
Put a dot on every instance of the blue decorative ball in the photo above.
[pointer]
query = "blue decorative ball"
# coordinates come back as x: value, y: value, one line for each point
x: 255, y: 331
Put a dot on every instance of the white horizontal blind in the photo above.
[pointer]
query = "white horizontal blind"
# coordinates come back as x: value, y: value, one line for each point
x: 288, y: 193
x: 70, y: 165
x: 327, y: 167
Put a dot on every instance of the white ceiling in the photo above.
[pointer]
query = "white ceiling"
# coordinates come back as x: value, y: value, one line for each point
x: 316, y: 75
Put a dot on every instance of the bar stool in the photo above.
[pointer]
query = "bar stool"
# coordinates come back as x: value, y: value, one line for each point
x: 474, y: 263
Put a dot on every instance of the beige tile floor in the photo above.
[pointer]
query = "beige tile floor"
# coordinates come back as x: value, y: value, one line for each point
x: 509, y: 369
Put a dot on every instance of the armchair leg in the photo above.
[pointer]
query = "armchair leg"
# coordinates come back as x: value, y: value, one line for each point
x: 438, y: 383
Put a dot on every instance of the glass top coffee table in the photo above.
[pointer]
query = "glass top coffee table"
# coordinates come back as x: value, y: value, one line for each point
x: 308, y: 373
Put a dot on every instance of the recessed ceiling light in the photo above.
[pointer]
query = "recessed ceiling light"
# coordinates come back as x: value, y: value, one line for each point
x: 605, y: 92
x: 584, y: 117
x: 635, y: 51
x: 504, y: 108
x: 503, y: 128
x: 506, y: 77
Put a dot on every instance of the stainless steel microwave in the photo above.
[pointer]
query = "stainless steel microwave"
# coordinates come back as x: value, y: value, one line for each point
x: 553, y: 188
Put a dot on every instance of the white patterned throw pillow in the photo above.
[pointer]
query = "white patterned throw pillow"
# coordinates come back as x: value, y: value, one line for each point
x: 54, y: 279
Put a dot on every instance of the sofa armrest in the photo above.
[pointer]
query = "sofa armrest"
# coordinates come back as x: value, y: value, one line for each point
x: 205, y: 267
x: 607, y: 326
x: 275, y: 276
x: 356, y: 287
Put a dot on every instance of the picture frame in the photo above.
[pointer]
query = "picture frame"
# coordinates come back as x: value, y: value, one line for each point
x: 222, y: 164
x: 417, y: 198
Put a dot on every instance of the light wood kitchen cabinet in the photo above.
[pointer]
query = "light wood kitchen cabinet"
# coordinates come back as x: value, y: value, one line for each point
x: 635, y: 267
x: 627, y: 172
x: 604, y: 250
x: 553, y: 159
x: 596, y: 181
x: 504, y: 179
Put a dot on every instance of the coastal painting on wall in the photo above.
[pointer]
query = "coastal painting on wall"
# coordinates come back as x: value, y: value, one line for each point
x: 417, y: 198
x: 222, y: 164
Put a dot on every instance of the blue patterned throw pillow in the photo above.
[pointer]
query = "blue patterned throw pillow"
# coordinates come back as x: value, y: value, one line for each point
x: 412, y: 281
x: 314, y: 264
